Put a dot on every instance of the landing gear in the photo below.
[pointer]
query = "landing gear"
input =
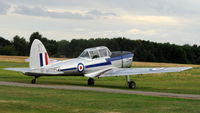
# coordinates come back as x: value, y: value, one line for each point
x: 130, y: 83
x: 90, y: 82
x: 34, y: 80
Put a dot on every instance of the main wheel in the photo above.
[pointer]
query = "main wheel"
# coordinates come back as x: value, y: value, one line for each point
x: 131, y: 84
x: 33, y: 81
x: 91, y: 82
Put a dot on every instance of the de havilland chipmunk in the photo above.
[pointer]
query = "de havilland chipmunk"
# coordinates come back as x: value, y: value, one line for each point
x: 92, y: 62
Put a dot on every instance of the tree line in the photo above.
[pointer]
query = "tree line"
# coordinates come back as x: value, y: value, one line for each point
x: 143, y: 50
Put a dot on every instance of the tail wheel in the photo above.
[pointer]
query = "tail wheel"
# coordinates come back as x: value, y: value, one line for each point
x: 91, y: 82
x: 33, y: 81
x: 131, y: 84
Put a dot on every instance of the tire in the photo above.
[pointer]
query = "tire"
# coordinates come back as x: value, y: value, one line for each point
x: 33, y: 81
x: 91, y: 82
x: 132, y: 85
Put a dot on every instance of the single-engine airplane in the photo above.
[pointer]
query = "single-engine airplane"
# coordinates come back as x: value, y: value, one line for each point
x: 92, y: 62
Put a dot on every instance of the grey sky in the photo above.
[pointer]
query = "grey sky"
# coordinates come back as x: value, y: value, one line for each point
x: 175, y: 21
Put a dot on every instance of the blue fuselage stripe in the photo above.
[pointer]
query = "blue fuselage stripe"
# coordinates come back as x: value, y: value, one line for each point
x: 41, y: 60
x: 68, y: 69
x: 97, y: 65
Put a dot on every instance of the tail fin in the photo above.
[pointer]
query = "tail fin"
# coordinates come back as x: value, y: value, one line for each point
x: 38, y: 55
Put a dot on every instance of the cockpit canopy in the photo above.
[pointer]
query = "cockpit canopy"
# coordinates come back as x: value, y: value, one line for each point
x: 96, y: 52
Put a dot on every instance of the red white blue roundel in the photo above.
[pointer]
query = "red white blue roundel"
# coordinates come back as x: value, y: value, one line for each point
x: 80, y: 67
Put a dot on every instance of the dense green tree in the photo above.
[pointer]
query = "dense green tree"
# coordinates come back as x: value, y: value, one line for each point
x: 4, y: 42
x: 35, y: 35
x: 8, y: 50
x: 20, y: 45
x: 51, y: 47
x: 62, y: 48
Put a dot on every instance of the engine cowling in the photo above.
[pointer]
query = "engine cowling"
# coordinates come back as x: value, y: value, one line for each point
x: 125, y: 57
x: 127, y: 62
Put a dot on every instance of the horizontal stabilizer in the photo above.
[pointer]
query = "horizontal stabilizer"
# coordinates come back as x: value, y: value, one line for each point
x: 23, y: 70
x: 36, y: 72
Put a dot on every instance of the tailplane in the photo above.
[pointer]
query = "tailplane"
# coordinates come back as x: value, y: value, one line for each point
x: 38, y: 55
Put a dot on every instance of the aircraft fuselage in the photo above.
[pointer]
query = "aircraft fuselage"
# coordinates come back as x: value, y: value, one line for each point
x: 80, y: 66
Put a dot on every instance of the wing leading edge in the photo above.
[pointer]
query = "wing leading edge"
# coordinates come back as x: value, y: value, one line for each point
x: 136, y: 71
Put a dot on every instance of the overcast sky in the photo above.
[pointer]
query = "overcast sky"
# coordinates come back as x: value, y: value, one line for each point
x: 174, y: 21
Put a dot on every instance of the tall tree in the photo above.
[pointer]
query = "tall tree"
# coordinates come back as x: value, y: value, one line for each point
x: 4, y: 42
x: 20, y: 45
x: 63, y: 48
x: 34, y: 35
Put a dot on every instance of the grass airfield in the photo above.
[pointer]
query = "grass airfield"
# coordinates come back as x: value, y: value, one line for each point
x: 22, y: 99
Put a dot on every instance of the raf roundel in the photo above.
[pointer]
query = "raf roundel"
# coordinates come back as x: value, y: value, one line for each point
x: 80, y: 67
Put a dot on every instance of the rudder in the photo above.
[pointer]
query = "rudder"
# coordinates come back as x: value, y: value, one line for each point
x: 38, y: 55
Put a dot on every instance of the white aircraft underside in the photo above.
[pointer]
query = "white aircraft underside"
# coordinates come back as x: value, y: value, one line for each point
x: 93, y: 62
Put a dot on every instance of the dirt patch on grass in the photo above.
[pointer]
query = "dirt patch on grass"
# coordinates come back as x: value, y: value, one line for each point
x: 11, y: 101
x: 13, y: 58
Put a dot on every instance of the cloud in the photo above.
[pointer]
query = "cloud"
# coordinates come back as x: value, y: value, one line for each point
x: 150, y: 19
x: 98, y: 13
x: 142, y: 32
x: 39, y: 11
x: 3, y: 8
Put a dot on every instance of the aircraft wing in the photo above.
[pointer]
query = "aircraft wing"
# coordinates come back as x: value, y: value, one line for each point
x: 35, y: 72
x: 135, y: 71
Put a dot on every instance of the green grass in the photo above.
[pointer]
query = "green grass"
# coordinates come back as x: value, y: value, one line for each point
x: 182, y: 82
x: 41, y: 100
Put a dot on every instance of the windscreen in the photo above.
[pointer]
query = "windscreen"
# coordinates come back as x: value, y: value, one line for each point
x: 103, y: 52
x: 85, y: 54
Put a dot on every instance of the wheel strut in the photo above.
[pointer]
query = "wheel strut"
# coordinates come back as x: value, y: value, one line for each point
x: 34, y: 80
x: 130, y: 83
